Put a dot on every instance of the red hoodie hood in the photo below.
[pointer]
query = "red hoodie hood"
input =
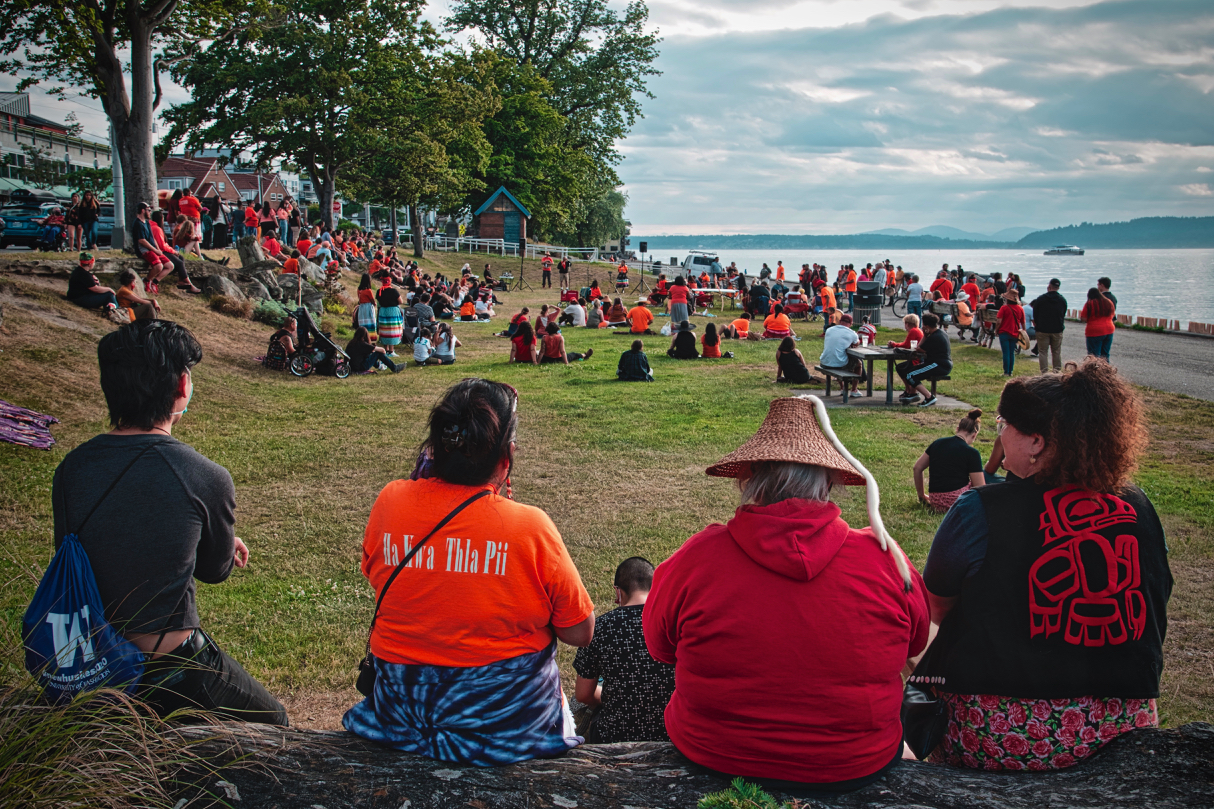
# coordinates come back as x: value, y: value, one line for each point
x: 795, y: 538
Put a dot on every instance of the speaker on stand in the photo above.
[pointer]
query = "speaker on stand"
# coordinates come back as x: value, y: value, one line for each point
x: 644, y: 248
x: 519, y: 283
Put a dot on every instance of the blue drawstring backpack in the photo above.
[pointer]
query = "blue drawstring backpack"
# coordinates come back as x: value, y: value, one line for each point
x: 69, y: 645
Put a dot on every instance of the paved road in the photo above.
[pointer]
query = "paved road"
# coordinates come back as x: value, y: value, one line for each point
x: 1170, y: 362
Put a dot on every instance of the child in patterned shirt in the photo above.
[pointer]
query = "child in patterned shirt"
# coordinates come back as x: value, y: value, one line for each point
x: 634, y: 688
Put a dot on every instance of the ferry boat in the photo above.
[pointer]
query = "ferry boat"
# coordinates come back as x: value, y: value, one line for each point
x: 1065, y: 250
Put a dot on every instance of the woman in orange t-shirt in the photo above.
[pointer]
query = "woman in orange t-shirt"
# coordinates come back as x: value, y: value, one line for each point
x: 464, y: 643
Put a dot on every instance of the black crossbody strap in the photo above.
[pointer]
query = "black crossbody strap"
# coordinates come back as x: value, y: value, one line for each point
x: 409, y: 556
x: 101, y: 500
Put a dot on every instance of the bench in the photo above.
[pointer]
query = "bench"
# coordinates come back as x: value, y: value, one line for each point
x: 844, y: 377
x: 936, y: 379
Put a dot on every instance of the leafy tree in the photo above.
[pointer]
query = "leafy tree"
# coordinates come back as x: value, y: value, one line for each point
x: 41, y: 169
x: 424, y: 143
x: 96, y: 180
x: 600, y: 217
x: 83, y: 44
x: 300, y: 88
x: 572, y: 86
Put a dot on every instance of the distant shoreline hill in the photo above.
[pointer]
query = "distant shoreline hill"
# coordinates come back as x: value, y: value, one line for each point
x: 1149, y: 232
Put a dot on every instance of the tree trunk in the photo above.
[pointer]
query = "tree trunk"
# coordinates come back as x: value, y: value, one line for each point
x: 415, y: 224
x: 393, y: 228
x: 283, y: 768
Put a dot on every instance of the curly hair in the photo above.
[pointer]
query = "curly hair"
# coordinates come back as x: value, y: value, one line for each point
x: 1091, y: 418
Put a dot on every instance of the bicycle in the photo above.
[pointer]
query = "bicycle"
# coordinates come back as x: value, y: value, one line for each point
x: 897, y: 301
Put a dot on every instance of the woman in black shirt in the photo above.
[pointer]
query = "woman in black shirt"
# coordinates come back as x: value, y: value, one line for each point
x: 953, y: 465
x: 683, y: 346
x: 790, y: 365
x: 364, y: 356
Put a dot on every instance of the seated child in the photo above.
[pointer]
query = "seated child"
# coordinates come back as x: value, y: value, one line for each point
x: 634, y: 688
x: 634, y: 365
x: 423, y: 349
x: 141, y: 308
x: 867, y: 329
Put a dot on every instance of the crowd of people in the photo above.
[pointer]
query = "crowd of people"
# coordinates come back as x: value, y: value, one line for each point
x: 474, y: 590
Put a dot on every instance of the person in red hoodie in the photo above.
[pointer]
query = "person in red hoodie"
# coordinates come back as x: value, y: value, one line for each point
x: 787, y: 628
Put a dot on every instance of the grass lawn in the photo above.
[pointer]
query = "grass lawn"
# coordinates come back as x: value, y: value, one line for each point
x: 620, y: 468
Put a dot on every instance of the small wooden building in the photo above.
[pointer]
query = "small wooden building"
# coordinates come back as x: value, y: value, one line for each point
x: 502, y: 217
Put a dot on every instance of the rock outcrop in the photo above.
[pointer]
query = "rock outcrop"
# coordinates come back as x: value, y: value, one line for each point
x: 1161, y: 769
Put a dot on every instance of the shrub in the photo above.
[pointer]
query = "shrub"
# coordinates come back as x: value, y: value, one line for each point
x: 232, y: 307
x: 271, y: 312
x: 742, y: 795
x: 334, y: 306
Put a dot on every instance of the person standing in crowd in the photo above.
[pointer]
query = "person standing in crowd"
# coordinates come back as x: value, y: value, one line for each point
x: 1049, y: 313
x: 943, y: 285
x: 615, y: 672
x: 1011, y: 322
x: 937, y: 361
x: 1051, y: 589
x: 146, y: 578
x: 914, y: 297
x: 295, y: 223
x: 546, y: 271
x: 680, y: 298
x: 464, y: 640
x: 85, y: 290
x: 797, y: 704
x: 1103, y: 284
x: 563, y: 270
x: 364, y: 313
x: 88, y: 212
x: 71, y: 221
x: 189, y: 207
x: 283, y: 214
x: 952, y: 464
x: 390, y: 320
x: 1097, y: 314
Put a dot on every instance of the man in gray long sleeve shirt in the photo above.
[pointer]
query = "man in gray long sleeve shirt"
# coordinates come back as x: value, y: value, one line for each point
x: 169, y: 519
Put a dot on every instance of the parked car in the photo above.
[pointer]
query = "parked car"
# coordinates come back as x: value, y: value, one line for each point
x: 105, y: 226
x: 20, y: 227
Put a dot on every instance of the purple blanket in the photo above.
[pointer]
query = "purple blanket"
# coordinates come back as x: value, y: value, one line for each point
x: 26, y: 428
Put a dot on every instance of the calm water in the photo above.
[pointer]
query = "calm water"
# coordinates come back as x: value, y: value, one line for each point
x: 1175, y: 284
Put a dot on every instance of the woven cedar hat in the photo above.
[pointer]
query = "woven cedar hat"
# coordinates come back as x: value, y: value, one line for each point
x: 790, y: 434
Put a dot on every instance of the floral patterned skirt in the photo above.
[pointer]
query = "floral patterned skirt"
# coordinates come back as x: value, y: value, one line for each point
x: 1005, y: 733
x: 943, y: 501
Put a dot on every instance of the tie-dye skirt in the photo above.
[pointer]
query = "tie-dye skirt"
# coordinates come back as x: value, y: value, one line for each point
x: 501, y: 713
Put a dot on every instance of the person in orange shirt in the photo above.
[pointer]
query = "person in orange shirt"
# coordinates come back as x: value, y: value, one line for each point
x: 640, y: 318
x: 780, y: 271
x: 291, y: 265
x: 739, y: 329
x: 849, y: 286
x: 777, y: 325
x: 828, y: 298
x: 473, y: 591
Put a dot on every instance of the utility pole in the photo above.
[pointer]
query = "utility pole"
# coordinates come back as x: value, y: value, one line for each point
x: 119, y: 195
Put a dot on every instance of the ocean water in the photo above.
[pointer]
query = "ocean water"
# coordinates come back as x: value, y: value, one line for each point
x: 1176, y: 284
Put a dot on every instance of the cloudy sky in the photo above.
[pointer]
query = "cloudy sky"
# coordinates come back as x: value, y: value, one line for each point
x: 838, y: 116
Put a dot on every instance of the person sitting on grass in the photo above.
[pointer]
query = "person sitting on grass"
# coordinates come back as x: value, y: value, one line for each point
x: 777, y: 326
x: 423, y: 349
x: 738, y: 329
x: 574, y: 314
x: 365, y: 357
x: 467, y: 310
x: 634, y: 689
x: 512, y: 327
x: 146, y: 578
x: 595, y: 294
x: 913, y: 333
x: 952, y: 464
x: 282, y: 346
x: 594, y: 318
x: 445, y: 343
x: 617, y: 315
x: 683, y: 343
x: 141, y: 308
x: 711, y: 343
x: 834, y: 353
x: 291, y: 265
x: 790, y: 364
x: 466, y: 661
x: 788, y: 628
x: 639, y: 318
x: 937, y: 360
x: 522, y: 344
x: 86, y: 291
x: 634, y: 365
x: 552, y: 348
x: 658, y: 296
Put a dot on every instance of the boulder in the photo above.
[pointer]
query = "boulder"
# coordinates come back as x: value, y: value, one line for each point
x: 257, y: 291
x: 313, y: 272
x: 220, y: 285
x: 249, y: 250
x: 268, y: 280
x: 290, y: 285
x: 1161, y: 769
x: 266, y: 266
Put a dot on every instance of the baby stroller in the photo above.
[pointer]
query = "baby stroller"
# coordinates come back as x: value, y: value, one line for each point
x: 316, y: 351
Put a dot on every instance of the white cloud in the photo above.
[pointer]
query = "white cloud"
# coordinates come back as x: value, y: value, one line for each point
x: 1197, y: 190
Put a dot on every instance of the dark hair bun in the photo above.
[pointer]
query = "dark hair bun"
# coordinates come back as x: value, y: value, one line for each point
x: 975, y: 414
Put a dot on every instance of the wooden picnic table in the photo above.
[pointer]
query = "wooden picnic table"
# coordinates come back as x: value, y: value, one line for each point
x: 872, y: 353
